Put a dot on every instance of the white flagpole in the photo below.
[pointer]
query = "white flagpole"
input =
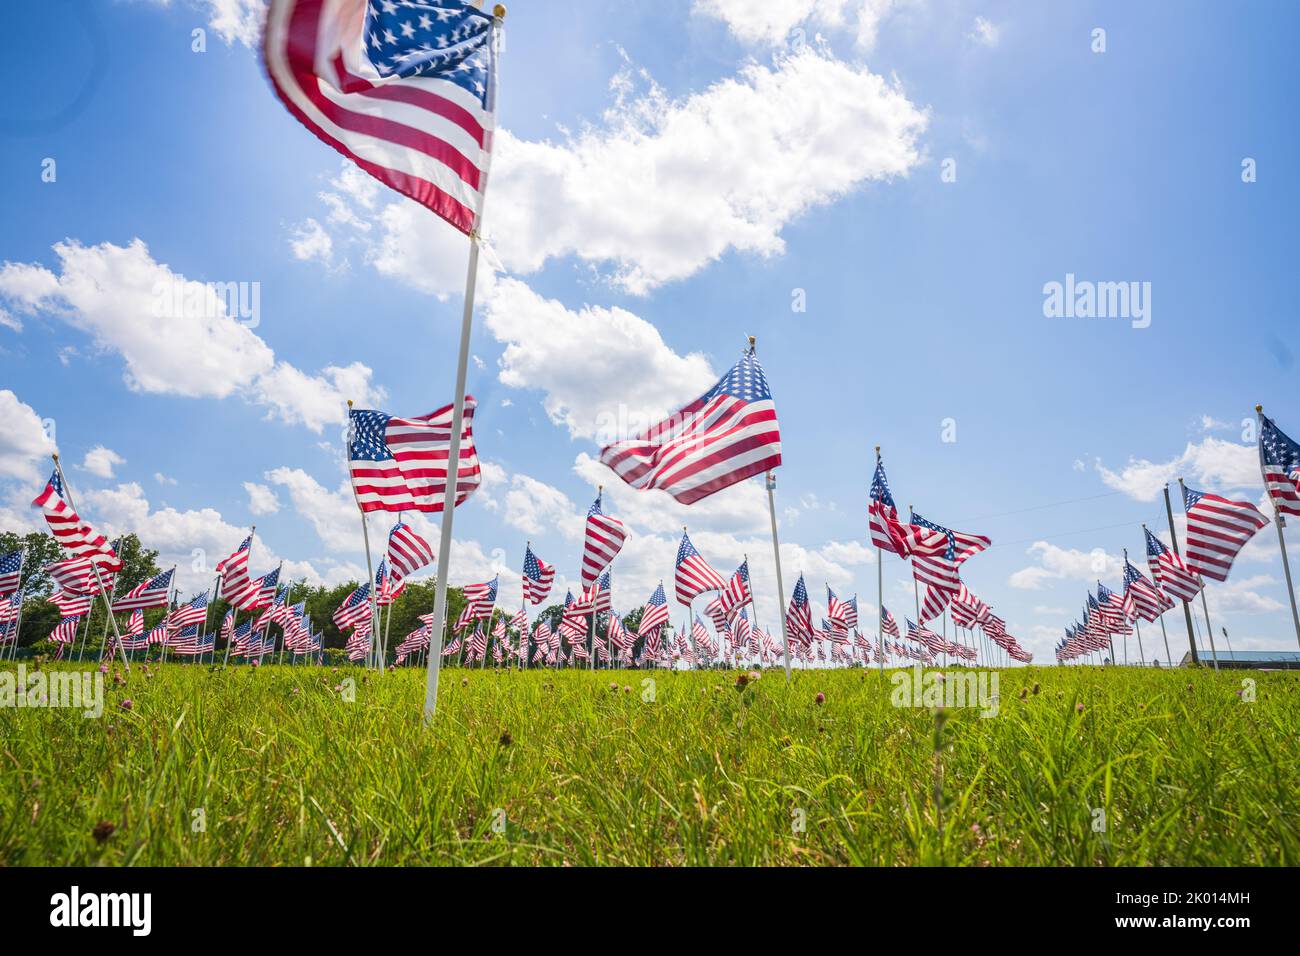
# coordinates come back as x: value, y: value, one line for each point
x: 453, y: 456
x: 1280, y: 521
x: 94, y: 566
x: 780, y: 586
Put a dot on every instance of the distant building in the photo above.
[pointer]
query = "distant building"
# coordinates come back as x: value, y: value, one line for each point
x: 1253, y: 660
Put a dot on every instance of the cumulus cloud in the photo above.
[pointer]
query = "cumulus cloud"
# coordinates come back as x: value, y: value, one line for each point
x: 261, y: 499
x: 25, y: 444
x: 101, y: 461
x: 1062, y: 564
x: 1211, y: 464
x: 311, y: 241
x: 540, y: 336
x: 769, y: 22
x: 177, y: 336
x: 661, y: 186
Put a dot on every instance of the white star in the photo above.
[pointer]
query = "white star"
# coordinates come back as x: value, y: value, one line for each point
x: 408, y: 31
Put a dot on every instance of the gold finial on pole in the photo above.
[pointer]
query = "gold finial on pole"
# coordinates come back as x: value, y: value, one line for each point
x: 55, y: 455
x: 1259, y: 408
x: 499, y: 11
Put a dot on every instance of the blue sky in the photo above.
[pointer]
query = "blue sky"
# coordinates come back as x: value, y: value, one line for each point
x: 671, y: 175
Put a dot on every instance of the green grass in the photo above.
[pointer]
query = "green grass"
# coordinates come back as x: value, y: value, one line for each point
x: 289, y: 773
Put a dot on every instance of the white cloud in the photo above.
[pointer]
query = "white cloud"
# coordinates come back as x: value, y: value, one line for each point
x: 175, y: 335
x: 1061, y: 564
x: 11, y: 321
x: 101, y: 461
x: 332, y: 514
x: 193, y: 540
x: 541, y: 336
x: 25, y: 445
x: 234, y: 21
x: 162, y: 479
x: 984, y: 32
x: 773, y: 22
x: 661, y: 187
x: 261, y: 499
x: 311, y: 241
x: 1211, y: 464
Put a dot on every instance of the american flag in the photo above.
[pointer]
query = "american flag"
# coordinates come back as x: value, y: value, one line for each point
x: 354, y: 609
x: 1279, y: 459
x: 70, y: 531
x: 71, y: 605
x: 407, y: 551
x: 65, y: 632
x: 234, y: 572
x: 618, y: 633
x: 738, y: 592
x: 655, y: 613
x: 405, y: 89
x: 700, y: 633
x: 938, y: 573
x: 1148, y: 601
x: 887, y: 532
x: 520, y: 621
x: 603, y: 539
x: 151, y: 592
x: 887, y: 623
x: 1217, y: 529
x: 259, y: 593
x: 835, y: 608
x: 743, y: 636
x: 538, y: 576
x: 728, y: 434
x: 1170, y: 574
x: 400, y: 464
x: 77, y: 576
x: 599, y: 597
x: 573, y: 621
x: 964, y: 545
x: 694, y: 575
x: 478, y: 643
x: 158, y: 635
x: 195, y: 612
x: 273, y: 614
x: 933, y: 642
x: 480, y: 599
x: 187, y: 643
x: 798, y: 619
x: 135, y: 624
x: 11, y: 571
x: 1112, y: 610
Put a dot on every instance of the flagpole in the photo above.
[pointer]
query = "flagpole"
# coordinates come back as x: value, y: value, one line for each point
x: 1204, y: 606
x: 94, y: 567
x: 1187, y: 611
x: 780, y: 586
x: 1280, y: 521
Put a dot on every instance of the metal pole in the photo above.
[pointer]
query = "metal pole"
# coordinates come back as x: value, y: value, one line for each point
x: 780, y: 586
x: 1280, y: 521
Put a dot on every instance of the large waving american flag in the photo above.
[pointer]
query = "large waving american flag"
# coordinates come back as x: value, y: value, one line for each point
x: 728, y: 434
x: 1217, y: 529
x: 71, y: 605
x: 70, y: 531
x: 887, y: 532
x: 694, y: 575
x: 1279, y: 460
x: 538, y: 577
x: 400, y: 464
x: 403, y: 88
x: 234, y: 572
x: 603, y: 539
x: 1170, y: 574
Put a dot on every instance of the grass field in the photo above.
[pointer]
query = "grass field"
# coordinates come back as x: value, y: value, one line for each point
x: 275, y: 766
